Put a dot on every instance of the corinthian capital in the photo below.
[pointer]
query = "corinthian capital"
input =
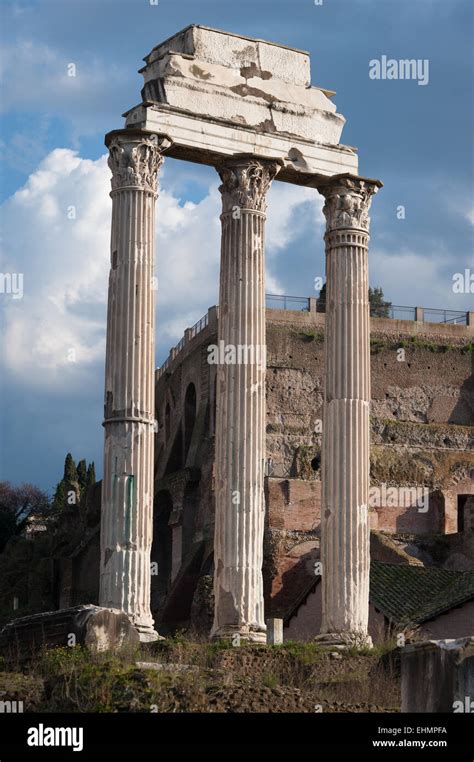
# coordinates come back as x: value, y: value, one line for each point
x: 135, y: 160
x: 245, y: 183
x: 348, y: 200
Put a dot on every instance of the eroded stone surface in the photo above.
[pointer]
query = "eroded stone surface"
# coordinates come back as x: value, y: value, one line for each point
x: 256, y: 95
x: 240, y: 414
x: 127, y: 494
x: 345, y: 458
x: 98, y: 629
x: 438, y: 676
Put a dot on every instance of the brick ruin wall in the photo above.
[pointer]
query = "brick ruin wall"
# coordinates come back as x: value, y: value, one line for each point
x: 422, y: 418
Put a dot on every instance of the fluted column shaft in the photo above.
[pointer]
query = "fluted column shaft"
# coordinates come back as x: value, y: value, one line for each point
x: 240, y: 419
x: 345, y: 458
x: 127, y: 488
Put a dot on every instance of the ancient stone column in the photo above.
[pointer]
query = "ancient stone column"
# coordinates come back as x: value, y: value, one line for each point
x: 240, y: 422
x: 345, y: 457
x: 127, y: 489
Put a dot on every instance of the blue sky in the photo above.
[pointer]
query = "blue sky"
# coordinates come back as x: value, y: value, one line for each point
x: 416, y: 139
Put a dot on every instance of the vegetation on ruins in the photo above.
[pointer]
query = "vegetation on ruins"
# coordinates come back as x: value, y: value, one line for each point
x: 76, y: 479
x: 192, y: 675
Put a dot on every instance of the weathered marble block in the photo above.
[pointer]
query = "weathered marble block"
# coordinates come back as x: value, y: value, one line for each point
x: 96, y: 628
x: 274, y: 632
x: 242, y: 80
x: 438, y: 676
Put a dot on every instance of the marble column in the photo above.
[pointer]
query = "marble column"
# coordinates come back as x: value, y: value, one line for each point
x: 127, y: 489
x: 345, y: 552
x: 240, y: 421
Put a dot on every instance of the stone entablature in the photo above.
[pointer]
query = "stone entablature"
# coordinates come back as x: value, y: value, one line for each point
x: 216, y: 94
x: 245, y: 81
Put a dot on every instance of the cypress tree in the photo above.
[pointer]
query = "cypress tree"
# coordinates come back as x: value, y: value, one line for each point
x: 90, y: 474
x: 82, y: 474
x: 70, y: 470
x: 60, y: 496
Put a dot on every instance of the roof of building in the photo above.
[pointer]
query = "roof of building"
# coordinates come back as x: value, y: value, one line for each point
x: 408, y: 594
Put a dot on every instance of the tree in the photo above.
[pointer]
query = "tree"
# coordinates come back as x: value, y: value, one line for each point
x: 60, y: 496
x: 91, y: 474
x: 75, y: 479
x: 82, y: 474
x: 8, y: 528
x: 70, y: 481
x: 378, y: 306
x: 321, y: 301
x: 70, y: 470
x: 17, y: 504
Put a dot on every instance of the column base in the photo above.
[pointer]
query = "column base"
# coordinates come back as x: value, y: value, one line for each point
x: 343, y: 640
x: 250, y: 634
x: 147, y: 634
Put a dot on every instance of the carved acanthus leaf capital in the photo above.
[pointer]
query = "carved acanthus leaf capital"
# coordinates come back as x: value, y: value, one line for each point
x: 348, y: 202
x: 245, y: 183
x: 135, y: 161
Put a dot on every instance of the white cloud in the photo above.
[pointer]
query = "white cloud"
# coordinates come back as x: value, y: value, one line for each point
x: 412, y: 279
x: 283, y: 200
x: 65, y: 265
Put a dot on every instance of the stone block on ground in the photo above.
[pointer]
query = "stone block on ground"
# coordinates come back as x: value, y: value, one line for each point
x: 438, y: 676
x: 274, y: 632
x: 96, y: 628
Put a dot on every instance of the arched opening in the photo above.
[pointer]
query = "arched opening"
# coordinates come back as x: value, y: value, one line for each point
x: 189, y: 417
x: 161, y: 550
x: 190, y: 509
x: 465, y: 505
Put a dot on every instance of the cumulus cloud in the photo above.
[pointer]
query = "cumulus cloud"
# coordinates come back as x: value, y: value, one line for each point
x: 414, y: 279
x: 283, y: 201
x: 56, y: 234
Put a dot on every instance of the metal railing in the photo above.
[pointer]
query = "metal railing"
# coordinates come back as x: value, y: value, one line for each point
x: 303, y: 304
x: 428, y: 314
x: 282, y: 302
x: 393, y: 311
x: 189, y: 334
x: 162, y: 368
x: 384, y: 310
x: 200, y: 325
x: 445, y: 316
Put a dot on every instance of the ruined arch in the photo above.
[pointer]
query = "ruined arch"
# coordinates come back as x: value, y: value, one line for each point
x: 161, y: 549
x: 190, y: 510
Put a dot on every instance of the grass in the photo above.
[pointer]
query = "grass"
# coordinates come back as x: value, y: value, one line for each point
x: 378, y: 344
x: 308, y: 336
x: 251, y: 677
x: 269, y: 680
